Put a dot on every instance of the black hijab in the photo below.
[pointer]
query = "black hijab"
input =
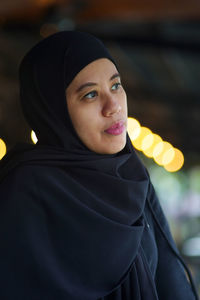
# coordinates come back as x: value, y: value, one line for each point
x: 86, y: 238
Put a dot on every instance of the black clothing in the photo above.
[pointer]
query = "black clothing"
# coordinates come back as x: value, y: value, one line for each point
x: 75, y: 224
x: 55, y: 245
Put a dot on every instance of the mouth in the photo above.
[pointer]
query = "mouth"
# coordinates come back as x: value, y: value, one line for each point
x: 116, y: 129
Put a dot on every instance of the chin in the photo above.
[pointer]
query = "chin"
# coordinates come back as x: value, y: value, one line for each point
x: 116, y: 150
x: 113, y: 148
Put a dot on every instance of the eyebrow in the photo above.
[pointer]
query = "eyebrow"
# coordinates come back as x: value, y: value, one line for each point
x: 88, y: 84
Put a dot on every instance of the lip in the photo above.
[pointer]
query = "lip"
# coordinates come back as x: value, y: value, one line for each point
x: 116, y: 129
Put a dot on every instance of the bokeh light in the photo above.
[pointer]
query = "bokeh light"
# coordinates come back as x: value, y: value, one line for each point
x: 137, y: 143
x: 168, y: 156
x: 152, y: 146
x: 34, y: 137
x: 176, y: 163
x: 2, y: 148
x: 147, y: 142
x: 160, y: 150
x: 133, y: 128
x: 149, y: 151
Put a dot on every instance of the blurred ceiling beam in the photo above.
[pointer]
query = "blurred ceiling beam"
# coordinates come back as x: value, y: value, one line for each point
x: 25, y: 10
x: 94, y: 10
x: 140, y: 10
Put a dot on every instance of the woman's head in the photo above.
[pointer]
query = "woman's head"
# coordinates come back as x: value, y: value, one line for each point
x: 97, y: 107
x: 51, y: 73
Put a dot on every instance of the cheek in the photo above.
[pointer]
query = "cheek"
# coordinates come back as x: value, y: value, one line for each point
x: 124, y: 100
x: 86, y: 121
x: 123, y: 103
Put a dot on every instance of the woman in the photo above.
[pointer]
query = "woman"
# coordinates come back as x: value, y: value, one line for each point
x: 79, y: 216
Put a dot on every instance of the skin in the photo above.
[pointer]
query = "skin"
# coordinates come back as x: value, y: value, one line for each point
x: 96, y: 100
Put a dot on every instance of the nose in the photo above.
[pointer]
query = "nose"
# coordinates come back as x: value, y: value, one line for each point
x: 111, y: 107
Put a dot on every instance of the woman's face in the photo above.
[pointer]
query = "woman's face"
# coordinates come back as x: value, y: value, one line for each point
x: 97, y: 106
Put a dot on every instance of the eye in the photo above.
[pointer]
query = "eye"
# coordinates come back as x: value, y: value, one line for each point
x: 115, y: 86
x: 90, y: 95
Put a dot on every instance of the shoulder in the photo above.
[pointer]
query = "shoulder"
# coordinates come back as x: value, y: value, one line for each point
x: 27, y: 186
x: 27, y: 175
x: 18, y: 187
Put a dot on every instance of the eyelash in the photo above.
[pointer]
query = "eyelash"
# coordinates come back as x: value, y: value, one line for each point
x: 117, y: 84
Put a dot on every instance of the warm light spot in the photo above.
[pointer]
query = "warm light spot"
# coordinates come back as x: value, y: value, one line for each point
x: 147, y: 142
x: 152, y: 145
x: 137, y: 143
x: 135, y: 134
x: 168, y: 156
x: 159, y: 151
x: 34, y: 137
x: 149, y: 151
x: 133, y: 128
x: 2, y: 148
x: 177, y: 161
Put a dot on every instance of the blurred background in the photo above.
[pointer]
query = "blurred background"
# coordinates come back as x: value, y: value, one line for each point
x: 157, y: 47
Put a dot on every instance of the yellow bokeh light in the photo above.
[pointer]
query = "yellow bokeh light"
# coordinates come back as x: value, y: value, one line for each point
x: 158, y: 149
x: 133, y: 128
x: 152, y: 145
x: 149, y: 151
x: 137, y: 143
x: 168, y: 156
x: 34, y: 137
x: 177, y: 162
x: 159, y: 152
x: 147, y: 141
x: 2, y: 148
x: 135, y: 134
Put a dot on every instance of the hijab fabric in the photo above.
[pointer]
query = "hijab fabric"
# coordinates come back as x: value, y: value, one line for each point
x: 92, y: 204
